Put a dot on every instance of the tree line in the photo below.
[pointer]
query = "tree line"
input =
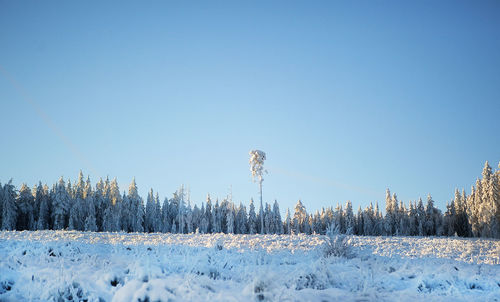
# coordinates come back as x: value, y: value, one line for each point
x: 103, y: 208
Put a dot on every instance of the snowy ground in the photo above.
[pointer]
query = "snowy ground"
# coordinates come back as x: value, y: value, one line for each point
x: 63, y: 265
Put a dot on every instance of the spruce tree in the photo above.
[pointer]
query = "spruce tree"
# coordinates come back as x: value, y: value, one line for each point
x: 9, y: 210
x: 25, y: 217
x: 43, y: 222
x: 150, y: 213
x: 60, y: 205
x: 299, y: 218
x: 158, y: 225
x: 252, y: 219
x: 349, y: 218
x: 277, y: 218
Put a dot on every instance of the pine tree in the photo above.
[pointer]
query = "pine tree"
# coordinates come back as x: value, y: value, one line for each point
x: 60, y: 205
x: 413, y: 220
x: 449, y: 219
x: 216, y: 218
x: 252, y: 219
x: 476, y: 207
x: 288, y: 222
x: 460, y: 221
x: 203, y: 220
x: 421, y: 218
x: 44, y: 212
x: 37, y: 193
x: 165, y: 216
x: 100, y: 203
x: 403, y: 222
x: 9, y: 209
x: 349, y: 218
x: 150, y: 212
x: 158, y: 225
x: 174, y: 229
x: 208, y: 214
x: 337, y: 224
x: 268, y: 220
x: 277, y: 218
x: 137, y: 208
x: 378, y: 223
x: 359, y: 222
x: 299, y: 218
x: 90, y: 224
x: 181, y: 209
x: 242, y: 220
x: 230, y: 221
x: 368, y: 221
x: 495, y: 204
x: 188, y: 215
x: 1, y: 203
x: 389, y: 214
x: 25, y: 217
x: 197, y: 215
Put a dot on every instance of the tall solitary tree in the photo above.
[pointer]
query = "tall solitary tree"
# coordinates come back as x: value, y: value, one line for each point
x: 257, y: 158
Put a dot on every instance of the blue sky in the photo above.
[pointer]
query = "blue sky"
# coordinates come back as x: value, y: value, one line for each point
x: 346, y: 98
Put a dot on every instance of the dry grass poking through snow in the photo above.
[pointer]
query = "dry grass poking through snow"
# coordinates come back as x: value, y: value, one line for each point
x: 71, y: 266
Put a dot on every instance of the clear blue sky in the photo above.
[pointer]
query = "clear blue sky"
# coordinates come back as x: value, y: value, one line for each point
x: 346, y: 98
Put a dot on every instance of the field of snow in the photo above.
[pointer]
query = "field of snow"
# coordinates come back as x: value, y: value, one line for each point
x: 80, y: 266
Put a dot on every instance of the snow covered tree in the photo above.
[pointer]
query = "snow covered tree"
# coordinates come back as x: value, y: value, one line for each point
x: 100, y: 204
x: 278, y: 224
x: 241, y: 220
x: 165, y: 216
x: 390, y: 220
x: 188, y: 215
x: 115, y: 214
x: 37, y: 193
x: 43, y: 222
x: 230, y: 221
x: 368, y: 220
x: 137, y: 208
x: 349, y: 218
x: 288, y: 223
x: 150, y: 212
x: 449, y: 219
x: 433, y: 223
x: 299, y: 218
x: 208, y: 214
x: 181, y: 209
x: 9, y: 209
x: 204, y: 226
x: 403, y: 222
x: 90, y: 223
x: 1, y: 203
x: 158, y: 225
x: 25, y: 216
x: 488, y: 207
x: 337, y: 224
x: 421, y: 218
x: 216, y: 218
x: 257, y: 158
x: 268, y: 220
x: 60, y: 205
x: 78, y: 208
x: 460, y: 221
x: 252, y: 219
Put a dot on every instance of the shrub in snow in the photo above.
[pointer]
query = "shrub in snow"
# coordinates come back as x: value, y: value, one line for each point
x: 337, y: 245
x: 218, y: 246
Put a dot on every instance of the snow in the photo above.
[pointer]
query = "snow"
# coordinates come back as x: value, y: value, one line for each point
x: 71, y: 265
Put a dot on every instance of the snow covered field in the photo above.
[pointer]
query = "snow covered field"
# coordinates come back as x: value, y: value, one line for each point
x: 69, y: 265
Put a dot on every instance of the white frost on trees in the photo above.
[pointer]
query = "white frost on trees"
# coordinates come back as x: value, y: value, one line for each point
x: 257, y: 158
